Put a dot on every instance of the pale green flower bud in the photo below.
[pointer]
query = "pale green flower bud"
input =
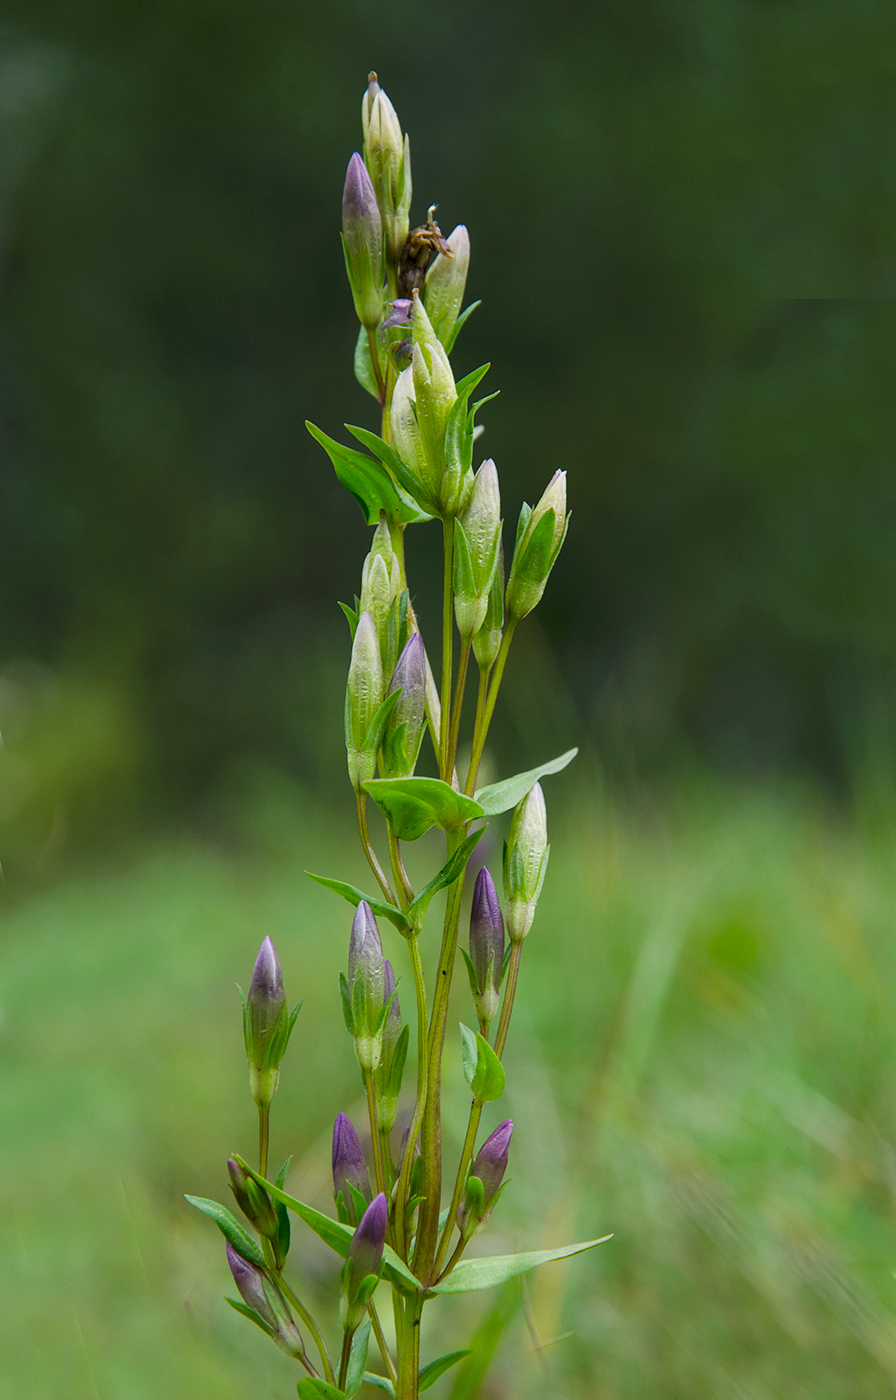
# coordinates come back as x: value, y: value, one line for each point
x: 525, y: 863
x: 362, y: 242
x: 477, y: 544
x: 487, y: 641
x: 446, y: 278
x: 363, y: 696
x: 407, y: 439
x: 539, y: 537
x: 387, y: 155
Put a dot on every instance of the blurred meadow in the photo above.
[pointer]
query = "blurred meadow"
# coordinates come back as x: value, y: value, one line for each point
x: 683, y: 225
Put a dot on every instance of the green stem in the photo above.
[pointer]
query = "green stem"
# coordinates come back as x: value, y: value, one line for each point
x: 309, y: 1322
x: 376, y: 1138
x: 404, y: 1179
x: 432, y: 1128
x: 264, y: 1131
x: 459, y: 689
x: 485, y: 719
x: 447, y: 639
x: 513, y: 972
x: 370, y: 853
x: 381, y: 1342
x: 399, y: 874
x: 409, y: 1350
x: 465, y: 1159
x: 345, y: 1358
x: 375, y: 361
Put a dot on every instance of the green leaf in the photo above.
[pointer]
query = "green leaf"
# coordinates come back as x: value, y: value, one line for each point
x: 449, y: 872
x: 472, y: 1274
x: 379, y: 1382
x: 251, y: 1314
x: 407, y: 482
x: 354, y: 896
x: 230, y: 1228
x: 469, y: 382
x: 467, y: 311
x: 364, y: 371
x: 313, y: 1388
x: 368, y: 481
x: 430, y: 1374
x: 500, y: 797
x: 482, y: 1068
x: 332, y: 1232
x: 357, y: 1359
x: 413, y: 805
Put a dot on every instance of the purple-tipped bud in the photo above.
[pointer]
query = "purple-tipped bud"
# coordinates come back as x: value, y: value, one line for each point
x: 349, y: 1167
x: 362, y: 238
x: 253, y: 1200
x: 486, y: 947
x: 266, y: 999
x: 365, y: 1253
x: 402, y: 744
x: 366, y: 984
x: 489, y: 1167
x: 250, y: 1283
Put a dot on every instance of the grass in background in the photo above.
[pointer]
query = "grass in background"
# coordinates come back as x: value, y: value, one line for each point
x: 701, y: 1061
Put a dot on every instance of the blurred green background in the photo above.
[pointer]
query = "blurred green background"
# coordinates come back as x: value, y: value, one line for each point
x: 683, y: 222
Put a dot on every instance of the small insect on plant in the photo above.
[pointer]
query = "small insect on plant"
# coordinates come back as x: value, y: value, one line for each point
x: 390, y: 1227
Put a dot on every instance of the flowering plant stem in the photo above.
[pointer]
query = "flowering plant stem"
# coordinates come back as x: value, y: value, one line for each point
x: 407, y: 286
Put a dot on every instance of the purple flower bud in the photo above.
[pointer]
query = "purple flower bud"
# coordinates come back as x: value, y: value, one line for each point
x: 253, y: 1200
x: 402, y: 748
x: 266, y: 1002
x: 489, y: 1166
x: 362, y: 236
x: 365, y: 1253
x: 366, y: 985
x: 349, y: 1166
x: 486, y: 946
x: 365, y: 949
x: 400, y: 315
x: 250, y: 1282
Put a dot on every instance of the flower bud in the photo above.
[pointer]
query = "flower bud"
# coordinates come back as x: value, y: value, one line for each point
x: 488, y: 1168
x: 363, y: 697
x: 381, y: 590
x: 404, y: 732
x: 477, y: 544
x: 435, y: 394
x: 259, y: 1295
x: 366, y: 983
x: 253, y: 1200
x: 487, y: 641
x: 486, y: 948
x: 267, y: 1025
x: 349, y: 1168
x: 525, y: 863
x: 446, y: 279
x: 539, y: 537
x: 364, y: 1261
x: 388, y: 159
x: 362, y: 242
x: 387, y: 1080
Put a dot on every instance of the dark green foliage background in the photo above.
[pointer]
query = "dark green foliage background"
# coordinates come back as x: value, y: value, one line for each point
x: 683, y: 224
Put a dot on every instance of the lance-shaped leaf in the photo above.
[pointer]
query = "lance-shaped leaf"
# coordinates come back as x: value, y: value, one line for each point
x: 430, y: 1373
x: 500, y: 797
x: 482, y: 1069
x: 391, y: 460
x: 363, y: 365
x: 413, y: 805
x: 354, y: 897
x: 368, y: 481
x: 470, y: 1275
x: 379, y: 1382
x: 230, y: 1227
x: 313, y: 1388
x: 357, y: 1359
x: 332, y: 1232
x: 449, y: 872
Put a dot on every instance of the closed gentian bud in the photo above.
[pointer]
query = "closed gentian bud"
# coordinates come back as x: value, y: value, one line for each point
x: 488, y: 1169
x: 388, y: 159
x: 407, y: 721
x: 350, y: 1172
x: 446, y: 279
x: 362, y: 243
x: 267, y: 1025
x: 477, y: 545
x: 487, y: 642
x: 407, y: 439
x: 363, y: 697
x: 387, y: 1080
x: 253, y: 1200
x: 270, y: 1310
x: 381, y: 591
x: 366, y: 985
x: 525, y: 863
x: 539, y: 536
x: 360, y: 1272
x: 486, y: 948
